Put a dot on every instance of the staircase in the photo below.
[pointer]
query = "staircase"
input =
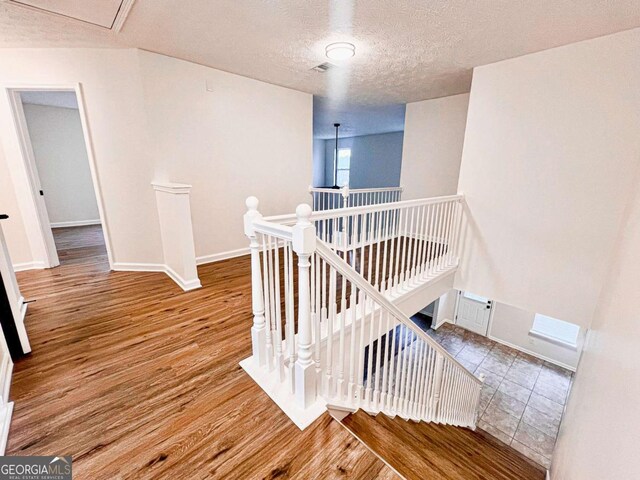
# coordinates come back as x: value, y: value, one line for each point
x: 331, y: 325
x: 417, y: 451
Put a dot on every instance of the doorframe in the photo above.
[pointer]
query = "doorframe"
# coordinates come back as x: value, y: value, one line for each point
x: 489, y: 320
x: 28, y: 164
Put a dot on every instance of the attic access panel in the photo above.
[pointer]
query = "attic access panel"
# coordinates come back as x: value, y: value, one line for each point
x: 102, y: 13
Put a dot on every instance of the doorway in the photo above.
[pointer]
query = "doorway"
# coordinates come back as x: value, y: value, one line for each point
x: 63, y: 185
x: 473, y: 312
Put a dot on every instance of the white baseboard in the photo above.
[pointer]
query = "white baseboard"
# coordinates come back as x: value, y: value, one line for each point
x: 438, y: 325
x: 283, y: 397
x: 216, y: 257
x: 75, y: 223
x: 35, y: 265
x: 186, y: 285
x: 138, y: 267
x: 533, y: 354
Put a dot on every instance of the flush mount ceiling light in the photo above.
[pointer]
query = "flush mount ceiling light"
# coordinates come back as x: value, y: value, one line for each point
x: 340, y: 50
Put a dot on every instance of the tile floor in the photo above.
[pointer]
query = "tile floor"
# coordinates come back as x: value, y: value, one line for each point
x: 523, y: 397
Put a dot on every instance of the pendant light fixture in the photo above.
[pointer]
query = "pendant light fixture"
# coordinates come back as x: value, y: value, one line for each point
x: 335, y: 165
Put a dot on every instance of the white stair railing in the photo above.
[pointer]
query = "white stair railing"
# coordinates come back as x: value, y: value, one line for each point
x: 348, y: 342
x: 382, y: 362
x: 397, y: 245
x: 343, y: 197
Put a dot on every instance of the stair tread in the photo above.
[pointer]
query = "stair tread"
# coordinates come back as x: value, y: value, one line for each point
x: 428, y: 450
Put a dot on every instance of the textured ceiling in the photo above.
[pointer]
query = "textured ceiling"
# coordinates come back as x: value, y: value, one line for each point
x: 407, y: 50
x: 355, y: 119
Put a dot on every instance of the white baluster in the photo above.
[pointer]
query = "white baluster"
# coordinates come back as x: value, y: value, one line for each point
x: 278, y: 307
x: 330, y: 330
x: 437, y: 386
x: 289, y: 310
x: 266, y: 280
x: 318, y: 320
x: 352, y: 346
x: 258, y: 330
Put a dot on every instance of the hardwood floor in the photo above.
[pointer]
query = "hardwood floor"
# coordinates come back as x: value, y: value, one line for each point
x: 136, y: 379
x: 80, y: 244
x: 439, y: 452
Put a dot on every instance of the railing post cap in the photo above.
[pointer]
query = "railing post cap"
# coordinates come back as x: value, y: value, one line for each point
x: 303, y: 212
x: 252, y: 203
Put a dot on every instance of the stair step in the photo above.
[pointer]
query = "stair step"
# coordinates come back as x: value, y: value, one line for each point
x: 427, y: 450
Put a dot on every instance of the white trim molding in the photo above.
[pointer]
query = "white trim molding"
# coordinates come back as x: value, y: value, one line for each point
x: 138, y: 267
x: 533, y: 354
x: 444, y: 320
x: 217, y: 257
x: 280, y: 393
x: 172, y: 187
x: 75, y: 223
x: 26, y: 179
x: 35, y: 265
x: 185, y: 285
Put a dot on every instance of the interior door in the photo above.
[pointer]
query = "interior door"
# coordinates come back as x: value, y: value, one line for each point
x: 473, y: 312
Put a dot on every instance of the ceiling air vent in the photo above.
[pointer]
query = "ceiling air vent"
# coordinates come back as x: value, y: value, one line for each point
x: 323, y: 67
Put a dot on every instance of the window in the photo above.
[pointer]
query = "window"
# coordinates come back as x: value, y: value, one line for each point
x: 473, y: 296
x: 342, y: 166
x: 556, y: 331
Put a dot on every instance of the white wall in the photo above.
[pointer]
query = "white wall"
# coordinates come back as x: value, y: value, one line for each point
x: 151, y: 118
x: 446, y: 307
x: 600, y: 432
x: 117, y: 120
x: 376, y: 160
x: 511, y: 325
x: 433, y: 138
x: 551, y: 138
x: 62, y: 163
x: 245, y: 137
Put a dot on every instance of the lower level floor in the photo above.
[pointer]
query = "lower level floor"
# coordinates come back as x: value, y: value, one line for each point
x: 523, y: 397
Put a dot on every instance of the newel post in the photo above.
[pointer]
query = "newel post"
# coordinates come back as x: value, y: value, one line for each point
x: 258, y: 330
x: 304, y: 244
x: 345, y: 196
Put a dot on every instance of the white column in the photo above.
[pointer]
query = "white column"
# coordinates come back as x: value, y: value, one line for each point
x: 304, y: 244
x: 176, y: 229
x: 258, y: 330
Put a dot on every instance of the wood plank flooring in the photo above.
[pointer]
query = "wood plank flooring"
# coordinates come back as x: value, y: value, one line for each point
x: 136, y: 379
x: 80, y: 244
x: 439, y: 452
